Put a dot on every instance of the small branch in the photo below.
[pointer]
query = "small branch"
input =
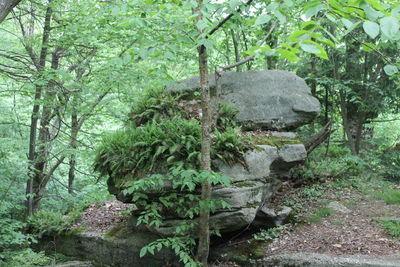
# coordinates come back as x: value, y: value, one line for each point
x: 248, y: 58
x: 222, y: 22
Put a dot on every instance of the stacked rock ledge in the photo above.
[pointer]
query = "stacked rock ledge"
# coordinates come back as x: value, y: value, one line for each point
x: 266, y: 100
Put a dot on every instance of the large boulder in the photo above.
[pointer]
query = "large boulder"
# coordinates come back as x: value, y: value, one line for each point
x: 269, y: 99
x: 253, y: 184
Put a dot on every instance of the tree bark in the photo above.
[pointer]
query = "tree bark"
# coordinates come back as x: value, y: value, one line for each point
x: 40, y: 65
x: 236, y: 49
x: 6, y: 6
x: 74, y: 137
x: 204, y: 222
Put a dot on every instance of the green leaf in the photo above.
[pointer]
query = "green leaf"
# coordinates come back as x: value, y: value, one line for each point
x: 375, y: 4
x: 288, y: 54
x: 281, y: 17
x: 396, y: 11
x: 347, y: 23
x: 371, y: 28
x: 143, y: 252
x: 390, y: 28
x: 314, y: 10
x: 372, y: 14
x: 314, y: 48
x: 264, y: 18
x: 390, y: 69
x: 309, y: 25
x: 310, y: 48
x: 298, y: 34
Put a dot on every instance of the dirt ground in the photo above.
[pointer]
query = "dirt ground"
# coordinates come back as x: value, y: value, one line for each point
x: 354, y: 232
x: 351, y: 233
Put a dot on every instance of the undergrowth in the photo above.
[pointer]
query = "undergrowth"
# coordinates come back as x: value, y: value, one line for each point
x: 392, y: 226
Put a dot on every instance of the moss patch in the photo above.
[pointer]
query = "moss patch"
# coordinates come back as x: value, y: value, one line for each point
x: 274, y: 140
x: 245, y: 253
x: 244, y: 184
x: 119, y: 231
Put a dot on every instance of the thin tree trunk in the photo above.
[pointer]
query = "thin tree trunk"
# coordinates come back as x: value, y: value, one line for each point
x: 204, y: 222
x: 248, y: 64
x: 40, y: 65
x: 228, y: 51
x: 44, y: 140
x: 74, y: 136
x: 236, y: 48
x: 313, y: 83
x: 326, y: 102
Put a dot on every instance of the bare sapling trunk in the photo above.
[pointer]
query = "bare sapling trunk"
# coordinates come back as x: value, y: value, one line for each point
x: 204, y: 222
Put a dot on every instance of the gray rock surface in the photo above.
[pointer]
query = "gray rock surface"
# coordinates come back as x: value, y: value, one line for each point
x: 271, y: 99
x: 253, y: 186
x: 322, y: 260
x: 121, y: 251
x: 336, y: 206
x: 267, y: 217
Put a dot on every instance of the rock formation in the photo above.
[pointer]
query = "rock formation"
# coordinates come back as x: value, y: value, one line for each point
x: 271, y: 99
x: 267, y: 100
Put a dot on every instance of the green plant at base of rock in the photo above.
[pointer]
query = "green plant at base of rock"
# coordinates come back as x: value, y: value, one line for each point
x: 271, y: 233
x: 392, y: 226
x: 320, y: 214
x: 182, y: 199
x: 390, y: 196
x: 50, y: 223
x: 24, y: 258
x: 226, y: 116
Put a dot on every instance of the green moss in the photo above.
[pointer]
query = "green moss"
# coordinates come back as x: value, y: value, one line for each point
x: 255, y: 204
x: 274, y: 140
x: 244, y: 184
x: 119, y: 231
x: 244, y: 254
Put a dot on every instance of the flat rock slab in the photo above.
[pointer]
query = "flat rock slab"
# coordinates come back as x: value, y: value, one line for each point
x: 268, y: 99
x: 323, y: 260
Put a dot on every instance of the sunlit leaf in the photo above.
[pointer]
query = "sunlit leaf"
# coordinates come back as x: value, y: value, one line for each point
x: 390, y: 69
x: 371, y: 28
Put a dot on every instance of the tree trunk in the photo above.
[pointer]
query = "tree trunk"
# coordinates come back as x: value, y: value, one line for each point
x: 74, y: 136
x: 35, y: 115
x: 313, y: 83
x: 41, y: 160
x: 204, y: 222
x: 236, y: 48
x: 6, y: 6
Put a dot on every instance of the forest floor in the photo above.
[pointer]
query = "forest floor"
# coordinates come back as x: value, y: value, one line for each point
x: 368, y: 225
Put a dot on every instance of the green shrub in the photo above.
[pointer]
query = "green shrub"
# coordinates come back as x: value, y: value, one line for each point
x: 156, y: 104
x: 320, y: 214
x: 392, y: 226
x: 335, y: 165
x: 390, y: 165
x: 161, y: 144
x: 24, y: 258
x: 390, y: 196
x: 226, y: 116
x: 182, y: 200
x: 271, y: 233
x: 48, y: 222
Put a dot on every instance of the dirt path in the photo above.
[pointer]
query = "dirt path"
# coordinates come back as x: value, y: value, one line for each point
x: 354, y: 232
